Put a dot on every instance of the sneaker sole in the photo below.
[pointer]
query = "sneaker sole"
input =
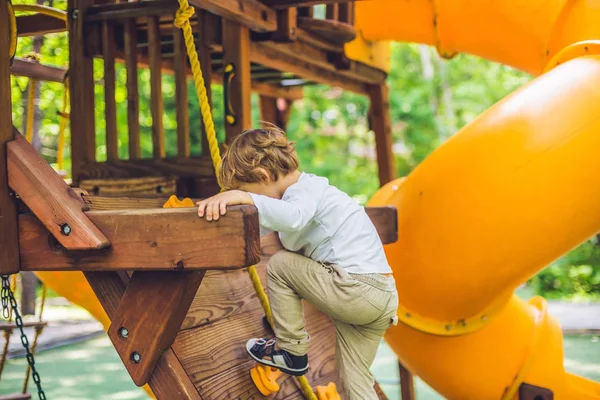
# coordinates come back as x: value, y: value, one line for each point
x: 285, y: 370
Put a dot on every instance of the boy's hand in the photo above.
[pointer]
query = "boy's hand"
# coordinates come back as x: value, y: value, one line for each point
x: 215, y: 206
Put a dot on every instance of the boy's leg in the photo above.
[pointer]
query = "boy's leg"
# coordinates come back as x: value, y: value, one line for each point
x: 331, y: 289
x: 355, y: 351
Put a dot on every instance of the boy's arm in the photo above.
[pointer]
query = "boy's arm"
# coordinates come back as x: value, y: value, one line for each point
x: 289, y: 215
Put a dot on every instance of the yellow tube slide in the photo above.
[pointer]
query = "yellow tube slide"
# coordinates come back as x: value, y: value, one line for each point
x: 508, y: 194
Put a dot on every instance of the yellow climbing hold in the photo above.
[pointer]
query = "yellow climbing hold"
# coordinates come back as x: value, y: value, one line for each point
x: 265, y: 379
x: 174, y: 202
x: 328, y: 392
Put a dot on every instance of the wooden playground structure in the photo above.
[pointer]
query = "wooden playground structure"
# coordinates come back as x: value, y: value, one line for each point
x: 175, y: 286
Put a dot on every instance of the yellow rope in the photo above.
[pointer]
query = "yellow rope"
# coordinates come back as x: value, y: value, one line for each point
x: 64, y: 117
x: 182, y: 21
x: 30, y: 100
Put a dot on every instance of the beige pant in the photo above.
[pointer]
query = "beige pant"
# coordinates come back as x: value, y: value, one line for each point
x: 362, y: 308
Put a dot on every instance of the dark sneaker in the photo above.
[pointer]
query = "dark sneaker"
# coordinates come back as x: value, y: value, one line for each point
x: 263, y: 352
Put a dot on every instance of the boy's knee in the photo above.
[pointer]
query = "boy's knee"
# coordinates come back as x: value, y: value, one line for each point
x: 277, y: 261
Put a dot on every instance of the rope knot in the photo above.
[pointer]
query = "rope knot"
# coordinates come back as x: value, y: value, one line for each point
x: 183, y: 15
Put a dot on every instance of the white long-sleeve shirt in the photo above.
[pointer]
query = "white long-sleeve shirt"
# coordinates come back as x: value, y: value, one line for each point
x: 325, y: 224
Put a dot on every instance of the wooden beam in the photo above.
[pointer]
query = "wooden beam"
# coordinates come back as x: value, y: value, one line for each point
x: 181, y: 95
x: 279, y: 4
x: 156, y: 100
x: 130, y: 10
x: 236, y: 51
x: 275, y: 110
x: 37, y: 71
x: 39, y: 25
x: 251, y: 14
x: 47, y: 195
x: 379, y: 120
x: 384, y: 218
x: 169, y: 379
x: 110, y: 105
x: 287, y: 28
x: 83, y: 126
x: 133, y: 102
x: 332, y: 11
x: 9, y: 254
x: 172, y: 166
x: 152, y: 239
x: 132, y: 187
x: 303, y: 63
x: 149, y: 316
x: 407, y: 384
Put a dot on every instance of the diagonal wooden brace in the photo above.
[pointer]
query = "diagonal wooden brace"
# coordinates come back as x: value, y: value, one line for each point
x: 149, y: 316
x: 52, y: 201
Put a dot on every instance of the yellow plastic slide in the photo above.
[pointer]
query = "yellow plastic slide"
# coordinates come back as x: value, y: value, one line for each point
x: 508, y: 194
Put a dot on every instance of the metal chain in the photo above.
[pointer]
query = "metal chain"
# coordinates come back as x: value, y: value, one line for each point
x: 8, y: 297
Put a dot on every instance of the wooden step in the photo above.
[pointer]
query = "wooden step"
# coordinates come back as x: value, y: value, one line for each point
x: 15, y: 396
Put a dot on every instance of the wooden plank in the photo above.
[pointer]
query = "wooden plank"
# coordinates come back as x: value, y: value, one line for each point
x: 133, y: 102
x: 149, y: 316
x: 407, y: 384
x: 83, y: 137
x: 152, y: 239
x: 251, y: 14
x: 130, y: 10
x: 270, y: 110
x: 15, y: 396
x: 169, y: 379
x: 181, y: 95
x: 236, y: 51
x: 346, y: 12
x: 172, y: 166
x: 52, y: 201
x: 9, y: 255
x: 287, y: 28
x: 332, y: 11
x: 279, y: 4
x: 150, y: 186
x: 156, y: 100
x: 110, y: 105
x: 34, y: 70
x: 379, y: 120
x: 39, y: 25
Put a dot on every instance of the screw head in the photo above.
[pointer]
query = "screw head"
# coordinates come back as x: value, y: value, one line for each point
x: 448, y: 327
x: 136, y: 357
x: 65, y: 229
x: 75, y: 14
x: 123, y: 332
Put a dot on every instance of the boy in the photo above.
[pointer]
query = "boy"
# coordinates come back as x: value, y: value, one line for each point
x: 334, y: 258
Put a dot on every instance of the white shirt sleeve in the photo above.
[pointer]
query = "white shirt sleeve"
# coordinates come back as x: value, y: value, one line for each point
x: 292, y: 213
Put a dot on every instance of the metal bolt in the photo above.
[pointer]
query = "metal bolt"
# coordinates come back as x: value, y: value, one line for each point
x: 75, y: 14
x: 448, y: 327
x: 407, y: 315
x: 124, y: 333
x: 65, y: 229
x: 483, y: 317
x: 136, y: 357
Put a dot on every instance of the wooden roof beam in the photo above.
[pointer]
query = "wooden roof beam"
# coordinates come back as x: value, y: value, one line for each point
x: 35, y: 70
x: 249, y: 13
x: 279, y: 4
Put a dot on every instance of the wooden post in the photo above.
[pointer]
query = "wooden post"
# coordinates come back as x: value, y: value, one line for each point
x: 287, y: 29
x: 407, y: 386
x: 110, y: 105
x: 83, y: 137
x: 275, y: 110
x: 156, y: 100
x: 379, y: 120
x: 9, y: 233
x: 236, y: 49
x: 181, y: 95
x: 133, y: 103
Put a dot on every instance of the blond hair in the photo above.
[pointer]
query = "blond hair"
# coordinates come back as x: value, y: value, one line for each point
x: 257, y: 152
